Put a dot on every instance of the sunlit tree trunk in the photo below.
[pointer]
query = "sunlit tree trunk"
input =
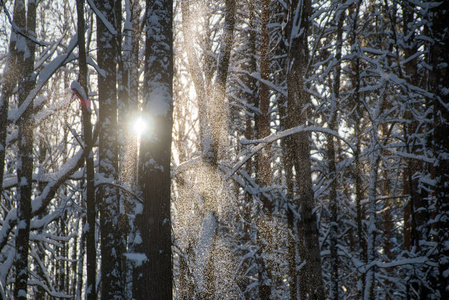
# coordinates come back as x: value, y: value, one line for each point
x: 107, y: 195
x: 91, y: 260
x: 27, y: 82
x: 311, y: 282
x: 154, y: 276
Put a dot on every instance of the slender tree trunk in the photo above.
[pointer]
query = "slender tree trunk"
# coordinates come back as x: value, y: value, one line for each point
x: 356, y: 81
x: 311, y: 282
x: 410, y: 183
x: 25, y: 137
x: 154, y: 276
x: 8, y: 83
x: 439, y: 84
x: 219, y: 110
x: 91, y: 252
x: 331, y: 156
x: 107, y: 196
x: 263, y: 160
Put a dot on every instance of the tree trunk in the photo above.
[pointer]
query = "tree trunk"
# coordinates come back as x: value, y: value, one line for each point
x: 439, y: 84
x: 107, y: 196
x: 331, y: 156
x: 154, y: 276
x: 25, y: 137
x: 263, y: 160
x: 91, y: 252
x: 355, y: 99
x: 8, y: 83
x: 219, y: 108
x: 311, y: 282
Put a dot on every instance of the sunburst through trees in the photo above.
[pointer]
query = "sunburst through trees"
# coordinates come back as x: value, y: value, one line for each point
x: 231, y: 149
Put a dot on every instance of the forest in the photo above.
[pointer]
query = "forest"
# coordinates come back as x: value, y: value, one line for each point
x: 228, y: 149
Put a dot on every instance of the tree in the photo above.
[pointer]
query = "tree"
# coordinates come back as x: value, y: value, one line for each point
x: 154, y: 276
x: 91, y: 253
x: 27, y: 23
x: 311, y: 284
x: 438, y: 80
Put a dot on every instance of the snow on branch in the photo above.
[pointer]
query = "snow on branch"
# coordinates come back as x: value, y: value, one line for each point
x: 39, y: 204
x: 103, y: 19
x: 256, y: 75
x: 17, y: 29
x: 276, y: 136
x: 45, y: 75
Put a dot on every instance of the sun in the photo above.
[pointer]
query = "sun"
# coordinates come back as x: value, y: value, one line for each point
x: 141, y: 125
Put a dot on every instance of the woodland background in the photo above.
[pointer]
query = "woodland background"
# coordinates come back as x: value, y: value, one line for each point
x: 298, y: 149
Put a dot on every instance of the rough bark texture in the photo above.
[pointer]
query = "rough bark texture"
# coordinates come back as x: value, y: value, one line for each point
x: 154, y: 277
x: 107, y: 196
x: 91, y: 259
x: 263, y: 158
x: 8, y: 83
x: 311, y: 282
x: 331, y: 156
x: 439, y: 79
x: 27, y: 82
x: 355, y: 99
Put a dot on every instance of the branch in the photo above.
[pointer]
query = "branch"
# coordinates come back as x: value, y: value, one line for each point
x: 16, y: 28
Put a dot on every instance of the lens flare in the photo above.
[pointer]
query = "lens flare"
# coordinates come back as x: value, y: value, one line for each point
x: 141, y: 125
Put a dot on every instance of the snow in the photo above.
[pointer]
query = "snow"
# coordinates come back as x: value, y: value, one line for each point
x: 137, y: 258
x: 76, y: 87
x: 102, y: 17
x: 159, y: 101
x: 45, y: 75
x: 276, y: 136
x: 55, y: 180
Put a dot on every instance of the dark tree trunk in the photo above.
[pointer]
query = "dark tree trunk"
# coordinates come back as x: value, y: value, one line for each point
x: 8, y: 83
x: 153, y: 279
x: 331, y: 156
x: 439, y: 84
x: 91, y: 252
x: 265, y: 233
x: 107, y: 195
x: 27, y: 82
x: 311, y: 282
x: 355, y: 98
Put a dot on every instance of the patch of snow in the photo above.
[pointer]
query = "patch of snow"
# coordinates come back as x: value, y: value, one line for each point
x: 137, y: 258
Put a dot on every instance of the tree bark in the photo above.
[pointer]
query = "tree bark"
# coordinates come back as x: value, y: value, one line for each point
x: 265, y: 233
x: 91, y: 253
x: 331, y: 156
x: 439, y: 79
x: 26, y: 20
x: 154, y: 277
x: 311, y: 282
x: 107, y: 196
